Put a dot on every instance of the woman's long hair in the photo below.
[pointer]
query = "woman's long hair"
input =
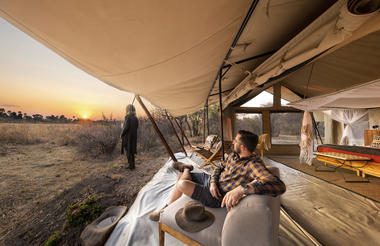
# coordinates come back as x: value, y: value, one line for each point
x: 131, y: 109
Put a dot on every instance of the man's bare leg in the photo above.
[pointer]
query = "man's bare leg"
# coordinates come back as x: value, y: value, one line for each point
x: 184, y: 185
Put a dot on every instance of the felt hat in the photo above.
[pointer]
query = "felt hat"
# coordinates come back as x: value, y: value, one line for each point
x: 193, y: 217
x: 96, y: 233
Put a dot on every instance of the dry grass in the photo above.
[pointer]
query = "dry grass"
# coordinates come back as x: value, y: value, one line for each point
x: 23, y: 133
x: 92, y: 139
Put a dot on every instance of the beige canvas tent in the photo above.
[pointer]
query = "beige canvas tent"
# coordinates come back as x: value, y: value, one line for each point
x: 175, y: 53
x: 170, y: 52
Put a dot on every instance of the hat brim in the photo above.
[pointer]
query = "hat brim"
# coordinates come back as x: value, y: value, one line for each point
x: 193, y: 226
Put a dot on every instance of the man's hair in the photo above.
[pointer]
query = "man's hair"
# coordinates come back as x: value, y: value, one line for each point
x: 248, y: 139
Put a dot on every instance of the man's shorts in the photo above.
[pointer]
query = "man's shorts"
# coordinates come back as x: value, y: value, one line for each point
x: 202, y: 190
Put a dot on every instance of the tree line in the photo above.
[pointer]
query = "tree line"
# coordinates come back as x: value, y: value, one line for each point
x: 194, y: 122
x: 19, y: 116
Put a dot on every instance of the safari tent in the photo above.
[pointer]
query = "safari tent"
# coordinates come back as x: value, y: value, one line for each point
x: 183, y: 56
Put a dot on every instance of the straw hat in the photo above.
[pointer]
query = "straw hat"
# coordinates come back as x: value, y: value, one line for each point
x: 193, y: 217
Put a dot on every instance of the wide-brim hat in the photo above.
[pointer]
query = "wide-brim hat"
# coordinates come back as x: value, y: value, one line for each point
x: 193, y: 217
x: 96, y: 233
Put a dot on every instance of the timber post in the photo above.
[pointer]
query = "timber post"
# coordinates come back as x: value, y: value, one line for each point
x: 221, y: 111
x: 175, y: 132
x: 183, y: 133
x: 170, y: 152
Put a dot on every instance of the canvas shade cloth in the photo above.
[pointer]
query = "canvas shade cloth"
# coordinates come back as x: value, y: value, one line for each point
x: 334, y: 29
x: 167, y: 51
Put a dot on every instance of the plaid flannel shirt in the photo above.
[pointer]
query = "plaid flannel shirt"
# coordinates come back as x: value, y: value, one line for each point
x: 250, y: 170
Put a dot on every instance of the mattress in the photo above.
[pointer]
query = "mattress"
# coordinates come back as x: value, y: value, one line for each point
x: 372, y: 153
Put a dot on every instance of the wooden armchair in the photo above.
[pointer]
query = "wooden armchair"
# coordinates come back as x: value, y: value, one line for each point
x: 214, y: 154
x: 263, y: 144
x: 209, y: 143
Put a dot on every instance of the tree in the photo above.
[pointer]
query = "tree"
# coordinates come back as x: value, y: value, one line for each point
x: 19, y: 115
x: 62, y: 118
x: 37, y: 117
x: 13, y: 115
x: 196, y: 121
x: 2, y: 113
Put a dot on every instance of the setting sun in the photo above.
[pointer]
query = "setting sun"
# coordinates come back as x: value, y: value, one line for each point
x: 84, y: 116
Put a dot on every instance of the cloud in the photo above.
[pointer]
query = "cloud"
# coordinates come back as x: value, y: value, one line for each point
x: 9, y: 106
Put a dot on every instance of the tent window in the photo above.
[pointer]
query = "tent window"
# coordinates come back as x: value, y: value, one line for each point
x: 264, y: 99
x: 285, y: 127
x: 287, y: 96
x: 249, y: 122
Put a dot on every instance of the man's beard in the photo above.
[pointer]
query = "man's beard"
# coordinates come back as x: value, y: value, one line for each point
x: 237, y: 150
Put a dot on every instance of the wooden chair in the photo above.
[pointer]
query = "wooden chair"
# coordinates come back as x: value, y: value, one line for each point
x: 209, y: 143
x: 214, y: 154
x: 263, y: 144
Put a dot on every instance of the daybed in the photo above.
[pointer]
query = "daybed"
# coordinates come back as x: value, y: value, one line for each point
x: 254, y: 221
x: 363, y: 160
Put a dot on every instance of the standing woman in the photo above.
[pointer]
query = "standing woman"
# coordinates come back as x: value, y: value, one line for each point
x: 129, y: 135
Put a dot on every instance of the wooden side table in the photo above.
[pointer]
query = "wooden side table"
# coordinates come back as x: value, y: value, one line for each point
x: 368, y: 136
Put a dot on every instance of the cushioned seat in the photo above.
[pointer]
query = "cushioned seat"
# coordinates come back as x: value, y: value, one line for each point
x: 254, y: 221
x: 210, y: 236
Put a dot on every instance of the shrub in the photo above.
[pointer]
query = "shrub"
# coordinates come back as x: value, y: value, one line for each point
x: 83, y: 212
x: 98, y: 139
x: 53, y: 239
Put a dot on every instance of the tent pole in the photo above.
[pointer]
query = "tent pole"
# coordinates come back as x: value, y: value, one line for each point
x: 188, y: 126
x: 221, y: 111
x: 183, y: 133
x: 234, y: 42
x: 315, y: 126
x: 208, y: 125
x: 204, y: 124
x: 170, y: 152
x: 175, y: 132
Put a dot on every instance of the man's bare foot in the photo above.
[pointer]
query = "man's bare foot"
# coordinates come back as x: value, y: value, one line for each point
x: 155, y: 216
x: 181, y: 166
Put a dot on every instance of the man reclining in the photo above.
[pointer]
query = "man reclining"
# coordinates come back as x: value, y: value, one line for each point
x: 241, y: 174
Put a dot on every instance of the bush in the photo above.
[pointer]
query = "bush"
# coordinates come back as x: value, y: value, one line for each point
x: 83, y: 212
x: 98, y: 139
x: 53, y: 239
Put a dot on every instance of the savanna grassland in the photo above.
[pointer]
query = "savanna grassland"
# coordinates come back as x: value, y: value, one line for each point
x: 48, y: 168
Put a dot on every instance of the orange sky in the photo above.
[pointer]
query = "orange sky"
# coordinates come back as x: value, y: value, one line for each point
x: 33, y: 79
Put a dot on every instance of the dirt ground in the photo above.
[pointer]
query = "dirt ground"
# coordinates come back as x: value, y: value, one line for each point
x: 38, y: 182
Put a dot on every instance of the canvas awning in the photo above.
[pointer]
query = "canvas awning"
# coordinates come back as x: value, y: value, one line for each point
x: 321, y: 41
x: 167, y: 51
x: 170, y: 52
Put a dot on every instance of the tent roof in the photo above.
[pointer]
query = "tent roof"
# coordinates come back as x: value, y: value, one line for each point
x: 170, y: 52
